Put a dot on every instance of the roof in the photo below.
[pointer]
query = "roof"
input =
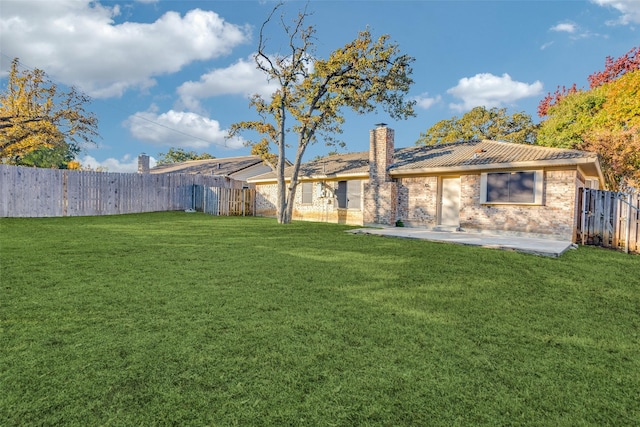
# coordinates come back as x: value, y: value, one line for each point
x: 221, y: 167
x: 447, y: 158
x: 485, y: 154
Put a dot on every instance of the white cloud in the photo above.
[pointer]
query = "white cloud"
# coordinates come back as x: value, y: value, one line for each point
x: 491, y: 91
x: 546, y: 45
x: 241, y: 78
x: 424, y: 101
x: 565, y: 27
x: 630, y: 10
x: 78, y: 42
x: 180, y: 129
x: 574, y: 31
x: 127, y: 164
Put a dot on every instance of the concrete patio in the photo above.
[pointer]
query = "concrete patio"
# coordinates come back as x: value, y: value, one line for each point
x: 530, y: 245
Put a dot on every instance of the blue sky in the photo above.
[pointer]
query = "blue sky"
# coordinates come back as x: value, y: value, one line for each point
x: 178, y: 73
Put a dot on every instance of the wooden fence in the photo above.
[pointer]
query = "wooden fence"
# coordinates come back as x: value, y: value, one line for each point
x: 225, y: 201
x: 35, y: 192
x: 609, y: 219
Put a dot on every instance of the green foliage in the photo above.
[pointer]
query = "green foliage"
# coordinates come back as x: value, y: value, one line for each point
x: 605, y: 119
x: 57, y: 157
x: 165, y: 319
x: 570, y: 119
x: 37, y: 115
x: 177, y: 155
x: 363, y: 76
x: 480, y: 123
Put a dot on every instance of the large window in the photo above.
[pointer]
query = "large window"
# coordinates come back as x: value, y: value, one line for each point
x: 349, y: 194
x: 307, y: 192
x: 523, y: 187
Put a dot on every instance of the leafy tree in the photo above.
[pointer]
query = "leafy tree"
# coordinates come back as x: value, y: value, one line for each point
x: 177, y: 155
x: 262, y: 149
x: 36, y: 115
x: 620, y: 156
x: 58, y: 157
x: 312, y: 92
x: 606, y: 120
x: 569, y: 120
x: 613, y: 69
x: 480, y: 123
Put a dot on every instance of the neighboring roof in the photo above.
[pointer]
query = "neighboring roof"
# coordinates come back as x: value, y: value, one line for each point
x: 447, y: 158
x: 220, y: 167
x: 337, y: 165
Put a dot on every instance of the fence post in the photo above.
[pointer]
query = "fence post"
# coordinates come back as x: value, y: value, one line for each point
x: 629, y: 213
x: 65, y: 193
x: 584, y: 214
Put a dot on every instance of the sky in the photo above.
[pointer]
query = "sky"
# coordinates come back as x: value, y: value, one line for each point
x: 169, y: 73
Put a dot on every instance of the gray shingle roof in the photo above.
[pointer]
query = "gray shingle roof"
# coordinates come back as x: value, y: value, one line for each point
x: 479, y: 153
x: 338, y: 164
x: 446, y: 157
x: 222, y: 167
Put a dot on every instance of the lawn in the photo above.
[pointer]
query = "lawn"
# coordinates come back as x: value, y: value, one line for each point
x: 189, y: 319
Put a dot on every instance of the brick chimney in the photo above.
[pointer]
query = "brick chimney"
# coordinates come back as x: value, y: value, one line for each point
x: 381, y: 147
x: 380, y: 193
x: 143, y: 163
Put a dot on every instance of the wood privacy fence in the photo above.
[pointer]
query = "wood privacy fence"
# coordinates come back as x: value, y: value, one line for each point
x: 35, y: 192
x: 224, y: 201
x: 609, y: 219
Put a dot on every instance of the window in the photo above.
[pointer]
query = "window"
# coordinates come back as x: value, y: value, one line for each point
x: 524, y: 187
x: 349, y: 194
x: 307, y: 192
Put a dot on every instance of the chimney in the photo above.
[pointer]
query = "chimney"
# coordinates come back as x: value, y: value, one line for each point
x: 381, y: 149
x: 143, y: 163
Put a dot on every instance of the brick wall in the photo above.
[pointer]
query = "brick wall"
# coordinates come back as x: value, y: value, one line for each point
x: 322, y: 209
x: 556, y: 218
x: 380, y: 203
x: 418, y: 202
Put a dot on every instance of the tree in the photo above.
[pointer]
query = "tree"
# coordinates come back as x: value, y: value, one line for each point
x: 36, y: 115
x: 58, y: 157
x: 569, y: 120
x: 613, y: 69
x: 605, y: 120
x: 362, y: 75
x: 620, y: 156
x: 177, y: 155
x: 480, y: 123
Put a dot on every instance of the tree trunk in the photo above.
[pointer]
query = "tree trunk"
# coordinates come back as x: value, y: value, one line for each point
x: 293, y: 183
x: 281, y: 207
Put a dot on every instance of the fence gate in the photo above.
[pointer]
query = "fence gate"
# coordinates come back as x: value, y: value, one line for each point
x: 224, y: 201
x: 609, y: 219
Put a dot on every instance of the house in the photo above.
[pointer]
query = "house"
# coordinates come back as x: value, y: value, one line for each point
x: 479, y: 186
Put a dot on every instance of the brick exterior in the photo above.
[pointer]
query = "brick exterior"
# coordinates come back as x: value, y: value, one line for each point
x: 380, y: 194
x: 555, y: 218
x: 380, y: 203
x: 415, y: 200
x: 323, y: 207
x: 418, y: 202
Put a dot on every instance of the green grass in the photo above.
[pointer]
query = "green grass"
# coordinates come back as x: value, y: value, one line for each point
x: 188, y: 319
